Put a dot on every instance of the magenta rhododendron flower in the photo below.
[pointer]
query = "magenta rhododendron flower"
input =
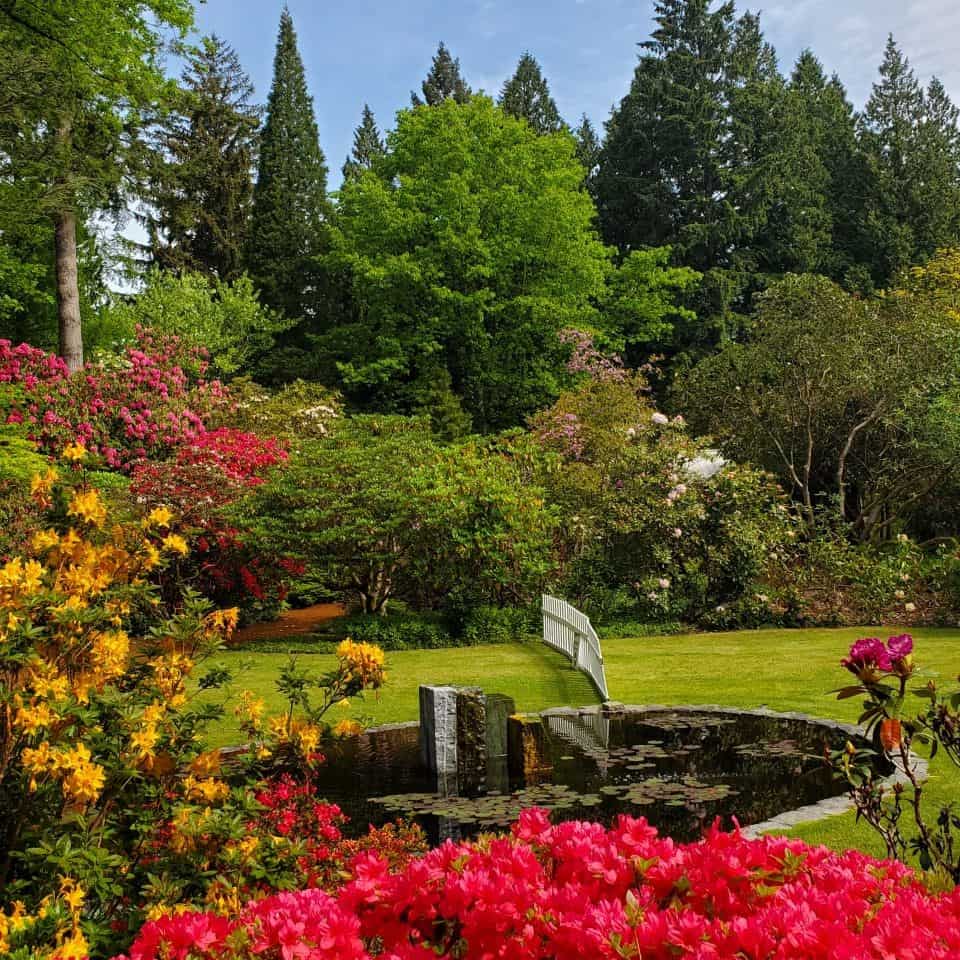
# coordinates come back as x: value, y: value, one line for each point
x: 900, y: 646
x: 871, y: 656
x: 868, y: 655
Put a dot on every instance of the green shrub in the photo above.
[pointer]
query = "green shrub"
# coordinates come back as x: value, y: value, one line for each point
x: 227, y: 319
x: 381, y: 511
x: 487, y: 624
x: 630, y: 629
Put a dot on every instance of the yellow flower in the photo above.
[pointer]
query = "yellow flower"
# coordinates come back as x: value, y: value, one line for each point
x: 144, y: 740
x: 347, y: 728
x: 158, y: 517
x: 34, y: 718
x: 72, y: 893
x: 86, y: 505
x: 362, y: 662
x: 74, y: 452
x: 205, y: 790
x: 73, y: 947
x: 84, y: 779
x: 206, y: 764
x: 250, y: 709
x: 43, y: 540
x: 175, y: 544
x: 40, y: 487
x: 151, y: 556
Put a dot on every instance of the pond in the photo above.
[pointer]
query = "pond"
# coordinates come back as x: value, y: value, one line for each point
x: 679, y: 768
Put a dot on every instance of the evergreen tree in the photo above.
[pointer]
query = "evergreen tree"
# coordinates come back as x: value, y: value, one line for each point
x: 204, y: 151
x: 526, y: 96
x: 367, y: 145
x: 889, y: 122
x: 288, y: 228
x: 911, y: 141
x: 588, y: 151
x: 79, y: 76
x: 823, y: 123
x: 661, y: 179
x: 688, y: 157
x: 443, y: 82
x: 937, y: 168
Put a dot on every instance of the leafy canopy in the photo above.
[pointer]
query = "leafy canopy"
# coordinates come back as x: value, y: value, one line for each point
x: 469, y: 245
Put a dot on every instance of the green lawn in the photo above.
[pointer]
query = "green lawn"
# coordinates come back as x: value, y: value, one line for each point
x: 782, y: 669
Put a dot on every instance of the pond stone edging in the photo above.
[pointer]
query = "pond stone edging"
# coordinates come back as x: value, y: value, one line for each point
x: 830, y: 807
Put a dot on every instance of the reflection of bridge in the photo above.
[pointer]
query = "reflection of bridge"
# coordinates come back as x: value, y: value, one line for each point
x: 589, y: 731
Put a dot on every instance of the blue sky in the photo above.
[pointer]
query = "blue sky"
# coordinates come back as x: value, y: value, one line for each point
x: 363, y: 50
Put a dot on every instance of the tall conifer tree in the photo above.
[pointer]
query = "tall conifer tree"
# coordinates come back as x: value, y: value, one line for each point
x: 823, y: 124
x: 201, y: 183
x: 910, y: 137
x: 588, y: 151
x: 526, y: 95
x: 290, y: 207
x: 443, y: 82
x: 661, y: 178
x: 367, y: 145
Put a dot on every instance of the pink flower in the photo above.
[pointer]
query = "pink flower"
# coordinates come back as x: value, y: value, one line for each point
x: 900, y: 646
x: 866, y: 657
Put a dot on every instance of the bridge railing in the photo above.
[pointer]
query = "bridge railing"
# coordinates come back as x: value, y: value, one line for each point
x: 569, y: 631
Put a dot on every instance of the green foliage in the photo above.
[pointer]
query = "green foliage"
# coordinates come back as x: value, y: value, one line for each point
x: 367, y: 145
x: 384, y: 511
x: 639, y: 306
x: 671, y: 167
x: 637, y: 629
x: 79, y: 75
x: 203, y: 150
x: 487, y: 624
x: 19, y: 460
x: 468, y: 246
x: 526, y: 96
x: 912, y: 145
x: 225, y: 318
x: 588, y: 152
x: 844, y: 398
x: 296, y: 411
x: 290, y: 207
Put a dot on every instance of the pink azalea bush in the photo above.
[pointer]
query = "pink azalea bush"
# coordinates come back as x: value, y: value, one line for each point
x: 576, y: 890
x: 153, y: 399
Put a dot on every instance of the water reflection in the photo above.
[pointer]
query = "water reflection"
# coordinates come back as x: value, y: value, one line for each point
x: 680, y: 769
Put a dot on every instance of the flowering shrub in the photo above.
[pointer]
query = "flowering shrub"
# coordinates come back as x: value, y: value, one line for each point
x: 29, y: 366
x: 282, y: 837
x: 296, y: 736
x: 585, y: 358
x: 884, y: 674
x: 208, y: 474
x: 94, y: 717
x: 578, y: 890
x: 647, y: 511
x: 152, y: 400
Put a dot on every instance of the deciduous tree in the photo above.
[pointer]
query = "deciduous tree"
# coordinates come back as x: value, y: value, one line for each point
x: 89, y: 70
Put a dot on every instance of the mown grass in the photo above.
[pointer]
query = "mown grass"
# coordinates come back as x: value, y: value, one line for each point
x: 782, y: 669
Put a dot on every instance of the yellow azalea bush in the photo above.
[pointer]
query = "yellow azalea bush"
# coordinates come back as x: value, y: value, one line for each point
x: 112, y: 808
x: 96, y: 723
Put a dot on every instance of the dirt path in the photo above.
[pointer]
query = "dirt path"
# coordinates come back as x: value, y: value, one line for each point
x: 293, y: 623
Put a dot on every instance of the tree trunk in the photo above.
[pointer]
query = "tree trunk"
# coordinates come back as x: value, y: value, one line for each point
x: 68, y: 289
